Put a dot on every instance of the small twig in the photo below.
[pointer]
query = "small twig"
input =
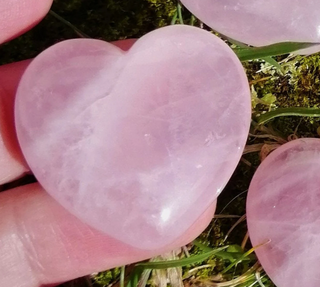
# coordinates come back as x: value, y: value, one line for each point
x: 252, y: 148
x: 225, y: 207
x: 270, y: 136
x: 241, y: 219
x: 245, y: 161
x: 246, y: 254
x: 144, y: 278
x: 186, y: 251
x: 196, y: 269
x: 226, y: 216
x: 259, y: 80
x: 245, y: 240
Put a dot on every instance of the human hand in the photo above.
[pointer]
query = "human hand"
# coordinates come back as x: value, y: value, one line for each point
x: 40, y: 242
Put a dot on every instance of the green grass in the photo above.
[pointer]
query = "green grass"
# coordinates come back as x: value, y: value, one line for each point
x: 281, y: 87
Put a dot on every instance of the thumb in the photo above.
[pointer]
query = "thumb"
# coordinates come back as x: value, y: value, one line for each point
x: 18, y: 16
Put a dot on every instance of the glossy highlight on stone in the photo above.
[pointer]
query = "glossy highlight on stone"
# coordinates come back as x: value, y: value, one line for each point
x: 137, y: 144
x: 261, y: 22
x: 283, y: 206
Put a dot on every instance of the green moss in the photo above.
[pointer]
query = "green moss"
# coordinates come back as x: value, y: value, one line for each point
x: 164, y: 11
x: 108, y: 277
x: 298, y: 86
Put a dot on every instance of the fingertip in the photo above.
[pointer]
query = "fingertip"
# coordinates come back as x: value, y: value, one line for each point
x: 125, y: 44
x: 16, y: 16
x: 12, y: 161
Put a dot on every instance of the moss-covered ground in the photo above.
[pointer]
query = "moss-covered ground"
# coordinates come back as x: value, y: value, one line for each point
x: 296, y: 86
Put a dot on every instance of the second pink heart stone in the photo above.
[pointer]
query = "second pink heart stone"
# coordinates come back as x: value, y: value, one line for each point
x: 261, y: 22
x: 137, y: 144
x: 283, y: 207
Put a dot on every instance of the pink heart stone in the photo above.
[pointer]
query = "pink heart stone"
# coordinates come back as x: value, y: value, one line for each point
x: 261, y: 22
x: 137, y: 144
x: 283, y: 206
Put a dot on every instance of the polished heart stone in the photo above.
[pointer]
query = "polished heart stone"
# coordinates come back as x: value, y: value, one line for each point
x: 283, y: 206
x: 261, y: 22
x: 137, y: 144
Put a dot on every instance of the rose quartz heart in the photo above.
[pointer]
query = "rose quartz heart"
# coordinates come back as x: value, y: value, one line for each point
x: 137, y: 144
x: 261, y: 22
x: 284, y: 206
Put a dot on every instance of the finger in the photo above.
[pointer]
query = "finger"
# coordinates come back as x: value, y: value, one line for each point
x: 125, y: 45
x: 11, y: 160
x: 17, y: 16
x: 41, y: 243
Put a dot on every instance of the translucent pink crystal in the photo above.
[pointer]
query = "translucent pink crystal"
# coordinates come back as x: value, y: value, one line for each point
x: 137, y: 144
x: 261, y: 22
x: 284, y: 206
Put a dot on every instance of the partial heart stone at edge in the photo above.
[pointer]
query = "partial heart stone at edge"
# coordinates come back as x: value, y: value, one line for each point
x: 262, y: 22
x: 283, y: 209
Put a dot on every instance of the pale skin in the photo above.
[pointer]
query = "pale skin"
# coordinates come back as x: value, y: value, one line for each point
x: 40, y: 242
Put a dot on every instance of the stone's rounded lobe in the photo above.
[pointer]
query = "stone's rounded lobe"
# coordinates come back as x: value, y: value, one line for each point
x: 262, y: 22
x: 137, y: 144
x: 283, y: 206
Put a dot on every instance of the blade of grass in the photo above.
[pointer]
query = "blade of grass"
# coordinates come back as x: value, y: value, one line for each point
x: 295, y: 111
x: 246, y: 54
x: 180, y: 262
x: 122, y: 273
x: 233, y: 256
x: 200, y: 245
x: 174, y: 18
x: 246, y: 254
x: 140, y: 267
x: 274, y: 63
x: 77, y: 31
x: 225, y: 255
x: 144, y: 278
x: 259, y: 278
x: 192, y: 20
x: 267, y: 59
x: 180, y: 13
x: 134, y: 277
